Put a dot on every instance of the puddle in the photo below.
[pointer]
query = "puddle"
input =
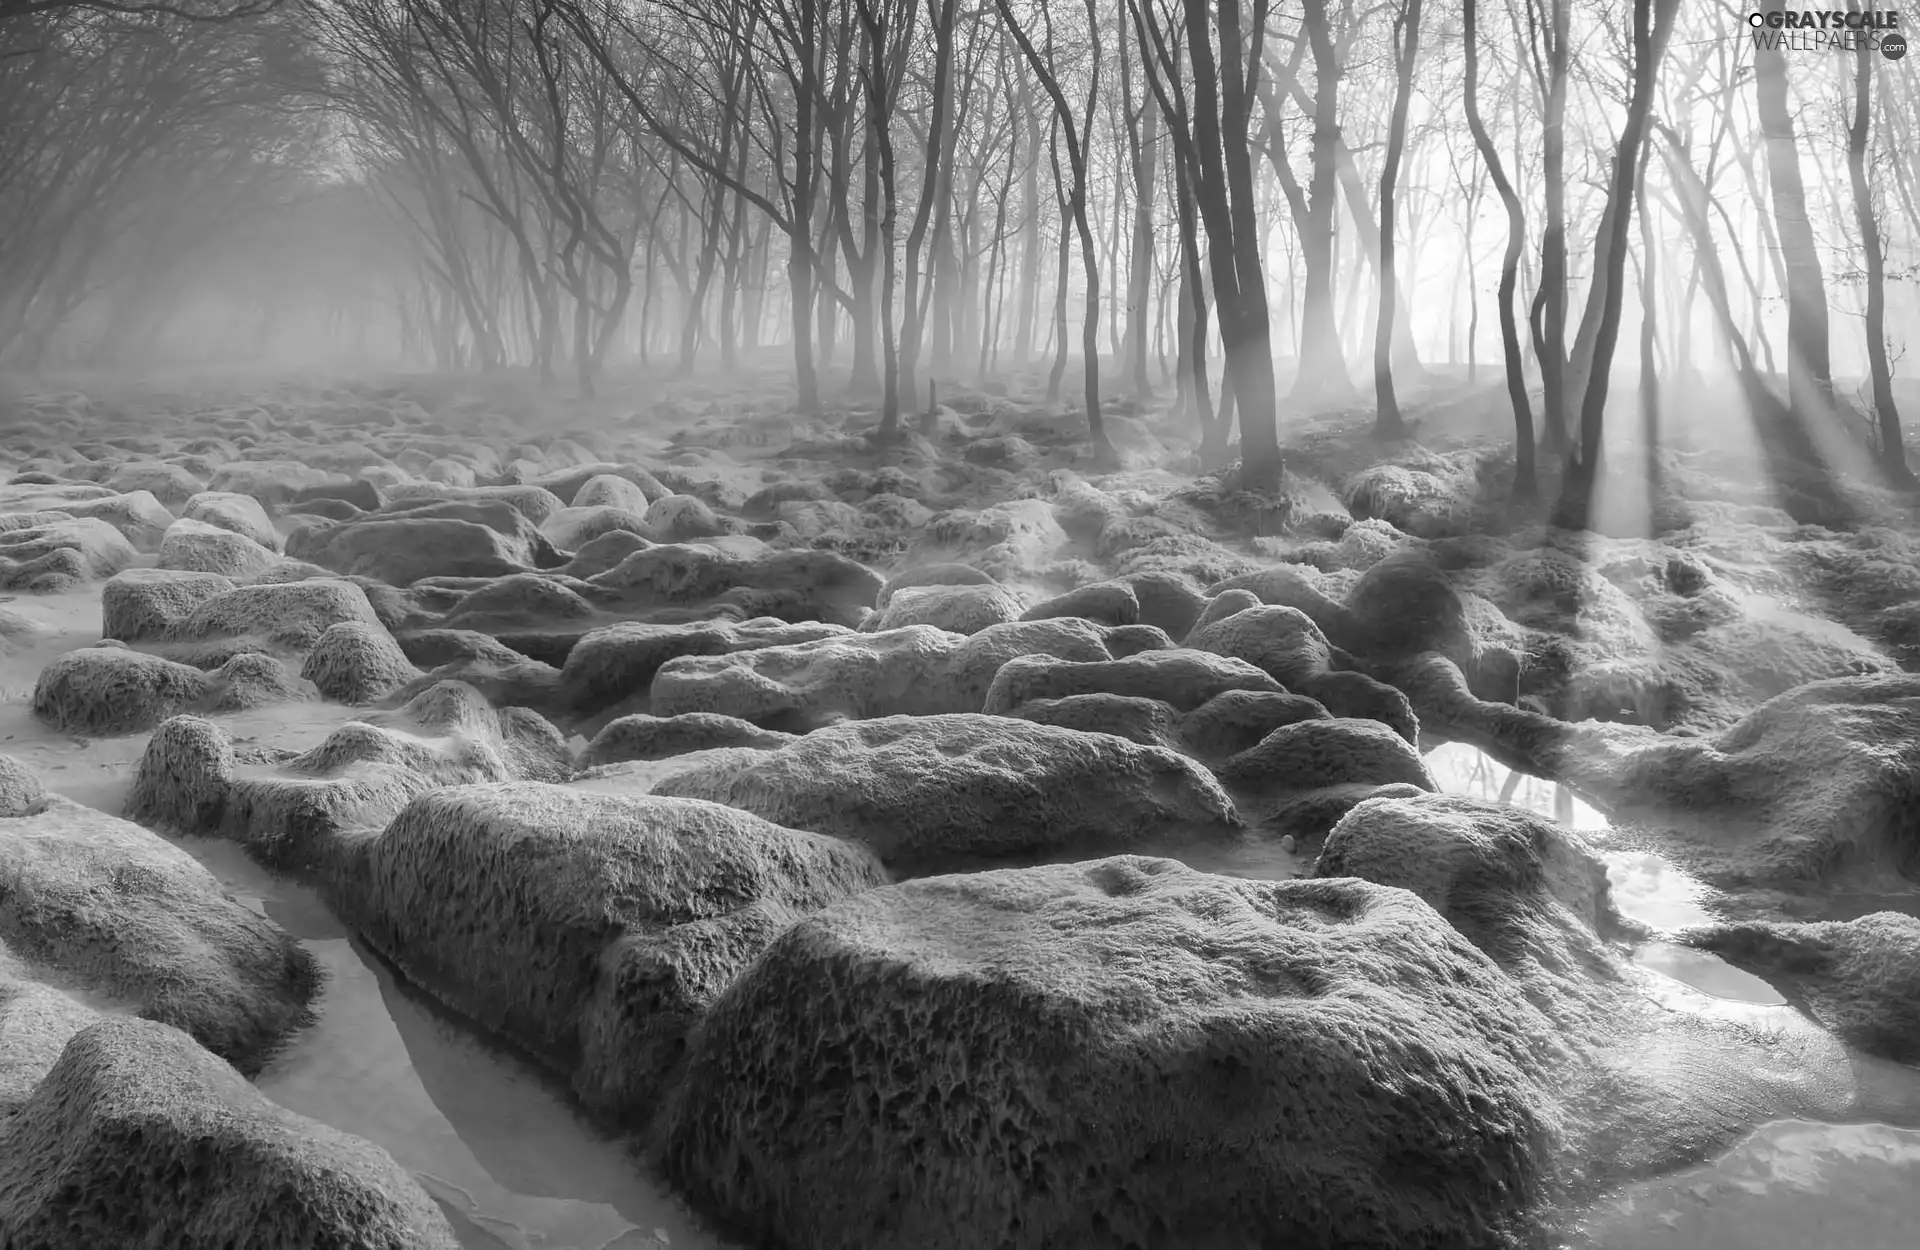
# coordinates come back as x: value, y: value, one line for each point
x: 1654, y: 892
x: 1706, y: 972
x: 492, y: 1138
x: 1261, y: 859
x: 1792, y: 1185
x: 1645, y: 887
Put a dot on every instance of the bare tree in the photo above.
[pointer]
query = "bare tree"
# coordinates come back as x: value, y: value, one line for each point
x: 1892, y: 452
x: 936, y: 151
x: 1809, y: 360
x: 1525, y: 481
x: 881, y: 23
x: 1076, y: 205
x: 1652, y: 27
x: 1406, y: 47
x: 1551, y: 58
x: 1143, y: 144
x: 128, y: 144
x: 1649, y: 334
x: 214, y: 11
x: 1213, y: 140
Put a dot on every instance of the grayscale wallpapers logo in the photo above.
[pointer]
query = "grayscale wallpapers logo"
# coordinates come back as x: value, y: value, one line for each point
x: 1829, y: 31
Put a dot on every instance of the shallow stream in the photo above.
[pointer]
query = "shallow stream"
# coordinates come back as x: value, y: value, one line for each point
x: 1790, y: 1185
x: 491, y: 1137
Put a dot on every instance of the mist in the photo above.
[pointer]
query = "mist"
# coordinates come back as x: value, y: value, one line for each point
x: 945, y: 624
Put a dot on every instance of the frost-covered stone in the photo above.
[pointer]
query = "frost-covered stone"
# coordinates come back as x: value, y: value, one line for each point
x: 62, y: 554
x: 808, y: 585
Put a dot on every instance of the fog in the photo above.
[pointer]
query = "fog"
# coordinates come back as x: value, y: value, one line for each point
x: 565, y: 187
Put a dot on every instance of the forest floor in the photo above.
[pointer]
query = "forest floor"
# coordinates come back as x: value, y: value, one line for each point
x: 673, y: 773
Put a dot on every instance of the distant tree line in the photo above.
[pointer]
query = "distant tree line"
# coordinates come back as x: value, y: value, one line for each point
x: 1235, y: 204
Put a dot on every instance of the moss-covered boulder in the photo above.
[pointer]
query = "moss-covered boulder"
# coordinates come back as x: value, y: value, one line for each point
x: 1859, y: 978
x: 1121, y: 1051
x: 138, y: 1137
x: 921, y: 789
x: 593, y: 929
x: 103, y: 905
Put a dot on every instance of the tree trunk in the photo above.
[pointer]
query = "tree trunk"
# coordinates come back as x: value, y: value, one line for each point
x: 1144, y: 134
x: 1222, y: 92
x: 1809, y: 369
x: 1550, y: 340
x: 1193, y: 329
x: 990, y: 319
x: 1525, y: 482
x: 1892, y: 452
x: 1322, y: 376
x: 881, y: 215
x: 1387, y: 420
x: 1029, y: 235
x: 913, y: 325
x: 1649, y: 334
x: 1073, y: 203
x: 739, y: 245
x: 1791, y: 457
x: 1057, y: 375
x: 800, y: 257
x: 1652, y: 23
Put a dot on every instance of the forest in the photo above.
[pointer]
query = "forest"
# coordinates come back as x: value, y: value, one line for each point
x: 1197, y: 197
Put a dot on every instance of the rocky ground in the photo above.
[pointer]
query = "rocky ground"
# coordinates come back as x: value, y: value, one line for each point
x: 944, y: 845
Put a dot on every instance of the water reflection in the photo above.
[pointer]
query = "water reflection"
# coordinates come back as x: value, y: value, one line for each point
x: 1792, y: 1185
x: 1463, y: 769
x: 1646, y: 888
x: 1654, y: 892
x: 1256, y: 857
x: 1706, y: 972
x: 489, y: 1136
x: 496, y: 1143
